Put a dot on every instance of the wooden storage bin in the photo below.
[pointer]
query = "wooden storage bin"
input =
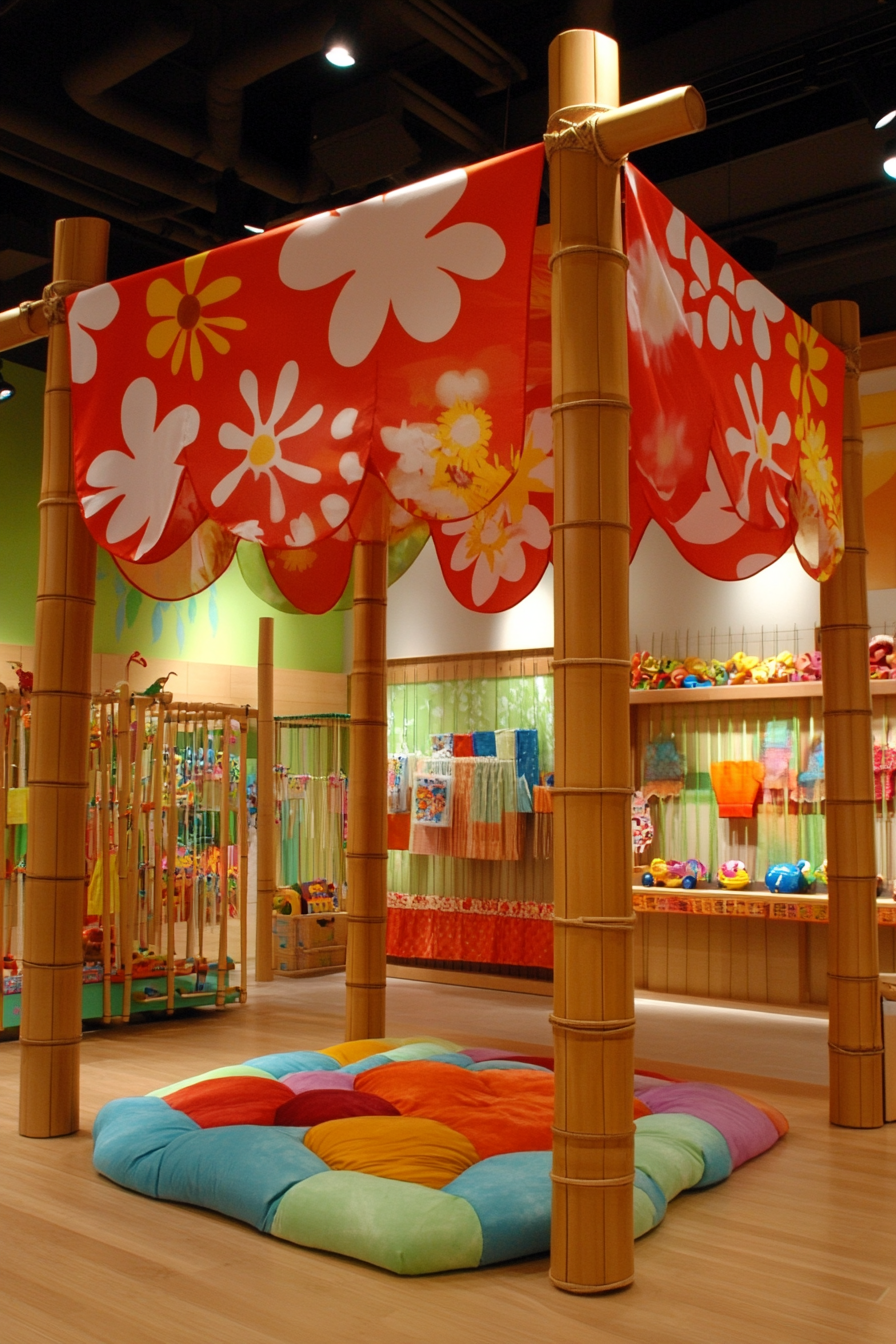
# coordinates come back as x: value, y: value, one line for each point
x: 292, y: 932
x: 307, y: 960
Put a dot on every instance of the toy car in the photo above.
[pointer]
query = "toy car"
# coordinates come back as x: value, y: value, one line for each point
x: 674, y: 873
x: 733, y: 875
x: 790, y: 877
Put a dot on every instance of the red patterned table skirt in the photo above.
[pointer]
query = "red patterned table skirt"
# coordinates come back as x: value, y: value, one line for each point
x: 450, y: 928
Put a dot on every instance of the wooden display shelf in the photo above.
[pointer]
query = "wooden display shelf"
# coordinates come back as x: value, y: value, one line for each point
x: 780, y: 690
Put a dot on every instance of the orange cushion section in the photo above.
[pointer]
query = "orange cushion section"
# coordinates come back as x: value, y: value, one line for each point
x: 397, y: 1147
x: 779, y: 1121
x: 641, y: 1109
x: 231, y: 1101
x: 351, y: 1051
x: 498, y: 1110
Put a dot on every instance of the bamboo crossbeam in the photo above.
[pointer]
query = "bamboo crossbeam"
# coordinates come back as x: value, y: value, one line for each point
x: 854, y: 1034
x: 265, y: 859
x: 365, y: 973
x: 60, y: 708
x: 19, y: 326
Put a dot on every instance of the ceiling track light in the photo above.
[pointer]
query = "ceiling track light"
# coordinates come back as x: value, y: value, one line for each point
x: 341, y: 42
x: 6, y: 389
x: 876, y: 88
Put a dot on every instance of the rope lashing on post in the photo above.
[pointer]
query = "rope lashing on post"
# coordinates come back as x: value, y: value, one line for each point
x: 582, y: 137
x: 52, y: 301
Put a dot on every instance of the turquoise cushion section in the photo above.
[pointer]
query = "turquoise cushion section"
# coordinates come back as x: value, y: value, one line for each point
x: 293, y: 1061
x: 506, y: 1064
x: 717, y: 1164
x: 511, y: 1194
x: 397, y: 1225
x: 238, y: 1170
x: 433, y: 1056
x: 362, y: 1065
x: 654, y: 1194
x: 130, y: 1137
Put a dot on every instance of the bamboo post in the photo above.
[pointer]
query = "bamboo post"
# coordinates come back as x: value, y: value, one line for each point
x: 171, y: 839
x: 854, y: 1034
x: 154, y: 912
x: 123, y: 792
x: 223, y: 854
x: 365, y: 972
x: 593, y: 1171
x: 103, y: 858
x: 264, y: 814
x: 244, y: 860
x: 133, y: 886
x: 4, y: 785
x: 60, y: 707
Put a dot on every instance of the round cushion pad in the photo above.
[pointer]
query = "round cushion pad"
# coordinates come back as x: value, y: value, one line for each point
x: 334, y: 1103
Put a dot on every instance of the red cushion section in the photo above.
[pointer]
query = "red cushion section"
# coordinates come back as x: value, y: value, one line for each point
x: 332, y: 1103
x: 231, y: 1101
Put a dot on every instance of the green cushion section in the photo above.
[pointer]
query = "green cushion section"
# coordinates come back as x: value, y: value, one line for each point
x: 673, y: 1161
x: 420, y: 1050
x: 689, y: 1128
x: 644, y: 1212
x: 228, y: 1071
x: 397, y: 1225
x: 292, y: 1061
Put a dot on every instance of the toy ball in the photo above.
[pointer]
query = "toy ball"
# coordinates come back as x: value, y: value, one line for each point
x: 789, y: 877
x: 733, y: 875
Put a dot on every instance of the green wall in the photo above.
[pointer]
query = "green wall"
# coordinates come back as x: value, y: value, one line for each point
x: 218, y: 626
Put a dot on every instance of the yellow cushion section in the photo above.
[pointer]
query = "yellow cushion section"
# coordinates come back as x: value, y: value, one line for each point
x: 397, y: 1147
x: 351, y: 1051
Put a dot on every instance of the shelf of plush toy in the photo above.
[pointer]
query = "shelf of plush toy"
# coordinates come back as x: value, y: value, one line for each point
x: 779, y: 690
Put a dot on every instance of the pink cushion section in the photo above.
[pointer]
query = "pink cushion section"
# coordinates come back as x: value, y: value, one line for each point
x: 316, y: 1079
x: 746, y: 1130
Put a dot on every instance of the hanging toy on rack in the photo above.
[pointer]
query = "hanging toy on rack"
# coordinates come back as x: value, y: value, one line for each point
x: 642, y: 825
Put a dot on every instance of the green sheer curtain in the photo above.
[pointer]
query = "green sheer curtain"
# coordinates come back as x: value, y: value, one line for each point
x: 469, y: 705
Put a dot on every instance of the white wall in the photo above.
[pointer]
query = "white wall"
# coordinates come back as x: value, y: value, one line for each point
x: 669, y: 601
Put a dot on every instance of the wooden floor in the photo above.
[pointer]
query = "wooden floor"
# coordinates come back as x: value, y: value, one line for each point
x: 796, y: 1248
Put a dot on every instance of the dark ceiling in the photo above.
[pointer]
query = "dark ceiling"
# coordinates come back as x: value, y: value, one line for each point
x: 182, y: 122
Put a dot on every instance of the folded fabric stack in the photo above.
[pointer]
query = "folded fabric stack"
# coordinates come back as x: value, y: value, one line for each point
x: 416, y: 1156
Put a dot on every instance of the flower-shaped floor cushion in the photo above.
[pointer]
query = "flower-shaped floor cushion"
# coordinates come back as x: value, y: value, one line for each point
x: 414, y: 1155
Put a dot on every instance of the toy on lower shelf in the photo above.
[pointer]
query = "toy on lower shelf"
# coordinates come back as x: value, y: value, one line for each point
x: 733, y: 875
x: 674, y: 873
x: 790, y: 877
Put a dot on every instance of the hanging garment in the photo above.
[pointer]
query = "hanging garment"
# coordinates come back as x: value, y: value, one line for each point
x: 527, y: 755
x: 775, y: 754
x: 463, y: 744
x: 432, y: 800
x: 399, y: 830
x: 663, y: 768
x: 484, y: 744
x: 811, y: 780
x: 397, y: 786
x: 884, y: 766
x: 736, y: 784
x: 505, y: 743
x: 442, y: 744
x: 642, y: 826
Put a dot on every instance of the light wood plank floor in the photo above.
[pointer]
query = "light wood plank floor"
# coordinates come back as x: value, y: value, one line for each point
x: 796, y: 1248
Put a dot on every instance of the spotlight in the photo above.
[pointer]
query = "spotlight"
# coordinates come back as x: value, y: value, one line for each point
x: 341, y: 42
x: 6, y: 389
x: 252, y: 228
x: 889, y: 163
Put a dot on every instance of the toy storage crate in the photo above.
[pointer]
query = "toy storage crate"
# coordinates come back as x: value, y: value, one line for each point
x: 310, y: 960
x: 292, y: 932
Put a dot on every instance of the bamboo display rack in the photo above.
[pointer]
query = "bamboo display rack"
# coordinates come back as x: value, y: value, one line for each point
x: 164, y: 785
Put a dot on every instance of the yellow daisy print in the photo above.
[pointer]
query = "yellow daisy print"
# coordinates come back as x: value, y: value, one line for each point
x: 184, y: 316
x: 816, y: 465
x: 810, y: 360
x: 464, y: 431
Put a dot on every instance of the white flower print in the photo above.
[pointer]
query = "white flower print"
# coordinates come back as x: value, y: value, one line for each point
x: 263, y: 446
x: 766, y: 307
x: 721, y: 320
x: 758, y: 444
x: 250, y: 530
x: 387, y: 248
x: 496, y: 546
x: 92, y: 310
x: 301, y: 531
x: 146, y: 478
x: 654, y: 294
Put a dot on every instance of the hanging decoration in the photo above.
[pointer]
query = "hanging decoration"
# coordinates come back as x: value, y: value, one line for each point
x: 264, y: 390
